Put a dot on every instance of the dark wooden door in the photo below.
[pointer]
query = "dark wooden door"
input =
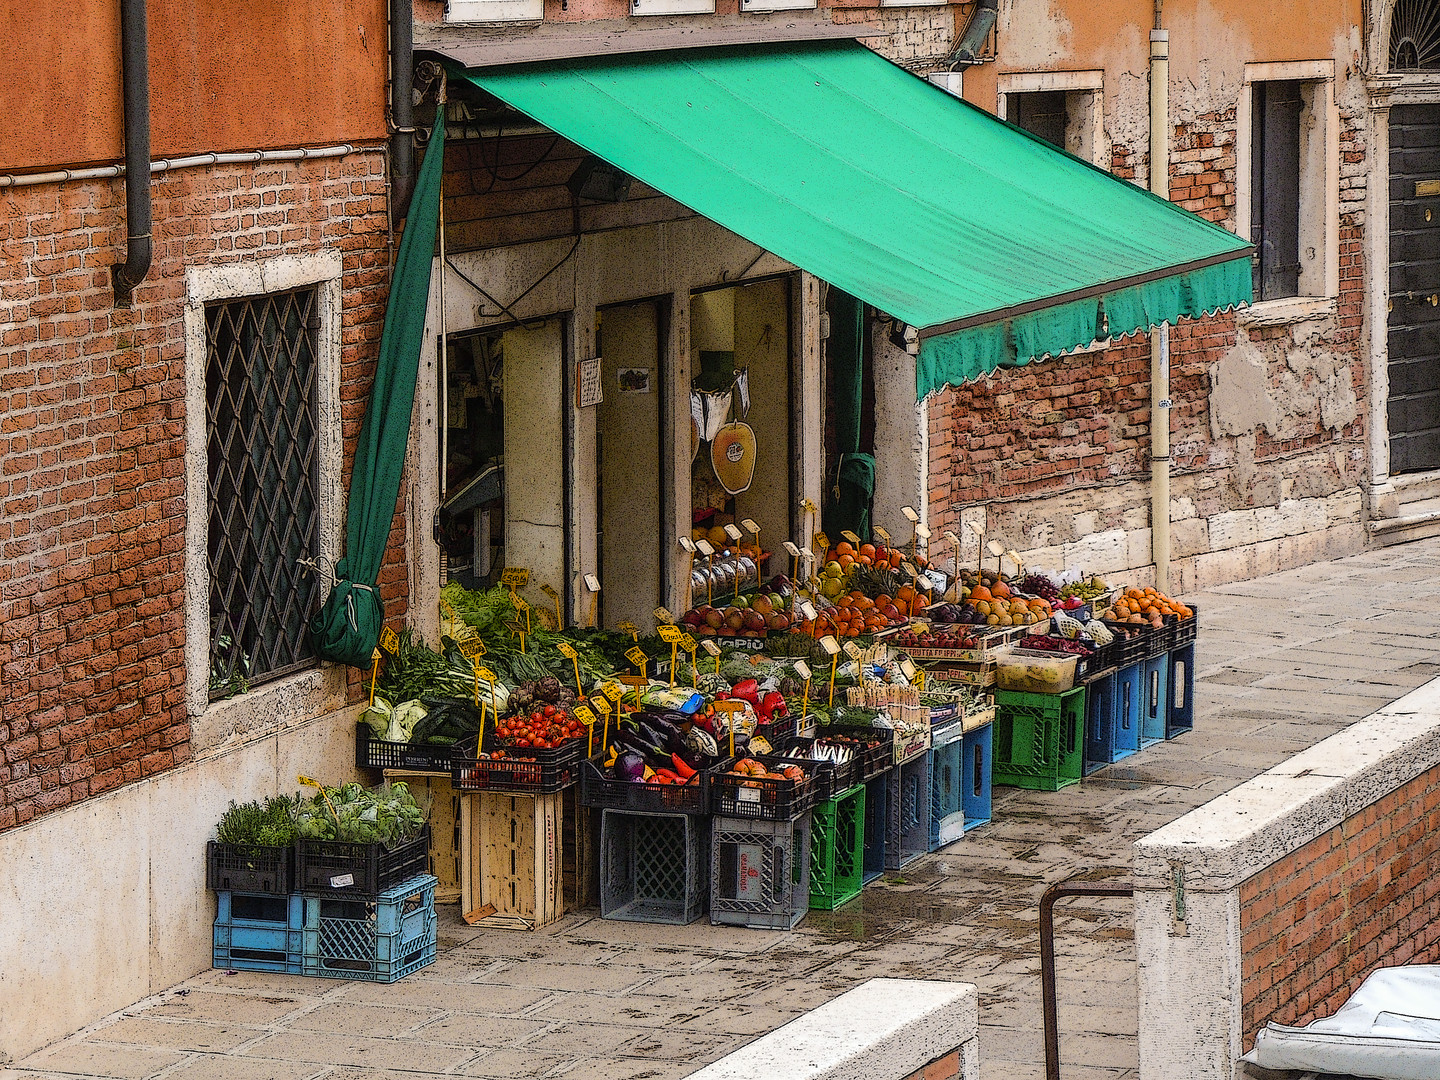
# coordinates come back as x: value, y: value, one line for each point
x: 1414, y: 324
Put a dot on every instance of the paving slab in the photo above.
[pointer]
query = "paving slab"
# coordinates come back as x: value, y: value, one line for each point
x: 1281, y: 663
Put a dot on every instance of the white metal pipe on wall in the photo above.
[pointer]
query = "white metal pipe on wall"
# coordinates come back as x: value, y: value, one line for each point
x: 1160, y: 336
x: 105, y: 172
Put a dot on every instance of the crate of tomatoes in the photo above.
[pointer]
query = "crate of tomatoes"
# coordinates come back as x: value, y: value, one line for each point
x: 534, y: 752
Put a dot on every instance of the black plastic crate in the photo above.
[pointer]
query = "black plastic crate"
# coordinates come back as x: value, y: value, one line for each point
x: 830, y: 779
x: 763, y: 798
x: 525, y: 770
x: 1132, y: 642
x: 248, y: 868
x: 373, y: 753
x: 359, y: 871
x: 876, y: 758
x: 1187, y: 629
x: 597, y: 789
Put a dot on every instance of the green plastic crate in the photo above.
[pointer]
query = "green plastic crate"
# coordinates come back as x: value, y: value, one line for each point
x: 837, y: 850
x: 1039, y: 739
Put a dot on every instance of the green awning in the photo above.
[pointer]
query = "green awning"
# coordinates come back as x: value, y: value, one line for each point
x: 997, y: 246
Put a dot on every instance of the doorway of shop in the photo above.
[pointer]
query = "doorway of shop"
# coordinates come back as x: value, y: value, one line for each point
x: 630, y: 461
x: 743, y: 456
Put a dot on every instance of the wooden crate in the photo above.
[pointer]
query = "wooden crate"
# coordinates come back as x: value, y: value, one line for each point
x: 581, y: 852
x: 444, y: 816
x: 511, y: 860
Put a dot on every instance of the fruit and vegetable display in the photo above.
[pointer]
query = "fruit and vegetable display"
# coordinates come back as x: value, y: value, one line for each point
x: 1145, y: 606
x: 268, y: 824
x: 387, y: 815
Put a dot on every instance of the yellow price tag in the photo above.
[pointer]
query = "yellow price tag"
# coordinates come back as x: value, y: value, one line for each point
x: 310, y: 782
x: 613, y: 691
x: 636, y: 656
x: 375, y: 654
x: 848, y: 535
x: 520, y: 604
x: 601, y: 703
x: 470, y: 648
x: 548, y: 591
x: 663, y: 615
x: 515, y: 577
x: 485, y: 674
x: 882, y: 533
x: 566, y: 650
x: 668, y: 634
x: 390, y: 641
x: 628, y: 628
x: 688, y: 643
x: 822, y: 540
x: 584, y: 715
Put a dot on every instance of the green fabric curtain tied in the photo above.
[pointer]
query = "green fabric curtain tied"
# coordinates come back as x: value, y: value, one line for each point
x: 348, y: 626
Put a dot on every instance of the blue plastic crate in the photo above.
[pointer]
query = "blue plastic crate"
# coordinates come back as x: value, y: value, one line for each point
x: 947, y: 803
x: 877, y: 814
x: 378, y: 940
x: 976, y: 768
x: 1180, y: 699
x: 1154, y: 689
x: 1099, y: 722
x: 1128, y: 710
x: 259, y: 932
x: 907, y: 825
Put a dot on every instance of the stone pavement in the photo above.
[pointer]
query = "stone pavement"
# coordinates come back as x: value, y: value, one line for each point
x: 1282, y: 662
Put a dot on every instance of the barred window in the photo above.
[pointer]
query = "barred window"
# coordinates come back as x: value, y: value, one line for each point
x: 260, y: 392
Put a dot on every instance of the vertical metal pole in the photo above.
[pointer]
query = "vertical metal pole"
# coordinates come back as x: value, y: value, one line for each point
x: 1160, y: 336
x: 444, y: 351
x: 1047, y: 960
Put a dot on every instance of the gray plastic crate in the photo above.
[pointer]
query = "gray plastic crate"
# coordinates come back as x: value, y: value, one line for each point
x: 907, y: 831
x: 653, y: 867
x: 760, y: 872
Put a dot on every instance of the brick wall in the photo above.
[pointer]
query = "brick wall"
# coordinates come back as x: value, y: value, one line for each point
x: 92, y: 417
x: 1059, y: 450
x: 1361, y: 896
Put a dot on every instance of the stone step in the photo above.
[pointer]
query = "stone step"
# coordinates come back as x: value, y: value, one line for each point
x: 1415, y: 521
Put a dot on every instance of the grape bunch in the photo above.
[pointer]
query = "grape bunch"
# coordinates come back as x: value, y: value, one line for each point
x: 1041, y: 586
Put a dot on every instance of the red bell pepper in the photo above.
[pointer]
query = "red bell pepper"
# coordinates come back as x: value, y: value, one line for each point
x: 748, y: 691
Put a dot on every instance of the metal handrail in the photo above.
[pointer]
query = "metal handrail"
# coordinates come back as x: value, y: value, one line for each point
x: 1047, y: 959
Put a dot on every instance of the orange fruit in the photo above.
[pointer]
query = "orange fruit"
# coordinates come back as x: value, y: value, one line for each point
x: 980, y: 592
x: 844, y: 548
x: 867, y: 550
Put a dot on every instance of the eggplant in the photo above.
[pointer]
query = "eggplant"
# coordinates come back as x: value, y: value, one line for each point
x: 636, y: 742
x: 671, y: 735
x: 630, y: 766
x: 658, y: 739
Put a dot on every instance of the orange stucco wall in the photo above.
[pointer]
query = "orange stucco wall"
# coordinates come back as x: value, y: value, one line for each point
x: 224, y: 75
x: 1205, y: 35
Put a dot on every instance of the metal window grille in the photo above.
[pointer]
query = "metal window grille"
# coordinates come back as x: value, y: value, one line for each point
x: 1415, y: 36
x: 260, y: 388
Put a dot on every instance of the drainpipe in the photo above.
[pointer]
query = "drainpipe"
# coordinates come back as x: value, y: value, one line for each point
x: 402, y: 109
x: 1160, y: 336
x: 135, y: 77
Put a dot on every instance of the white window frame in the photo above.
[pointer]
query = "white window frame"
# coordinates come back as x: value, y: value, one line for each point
x: 777, y: 5
x: 1076, y: 85
x: 1319, y: 188
x: 315, y: 691
x: 494, y: 11
x: 643, y: 8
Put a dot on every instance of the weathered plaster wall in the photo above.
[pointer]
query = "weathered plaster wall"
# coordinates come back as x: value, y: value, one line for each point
x: 1268, y: 424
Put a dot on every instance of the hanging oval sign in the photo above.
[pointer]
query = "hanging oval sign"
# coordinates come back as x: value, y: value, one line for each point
x: 732, y: 455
